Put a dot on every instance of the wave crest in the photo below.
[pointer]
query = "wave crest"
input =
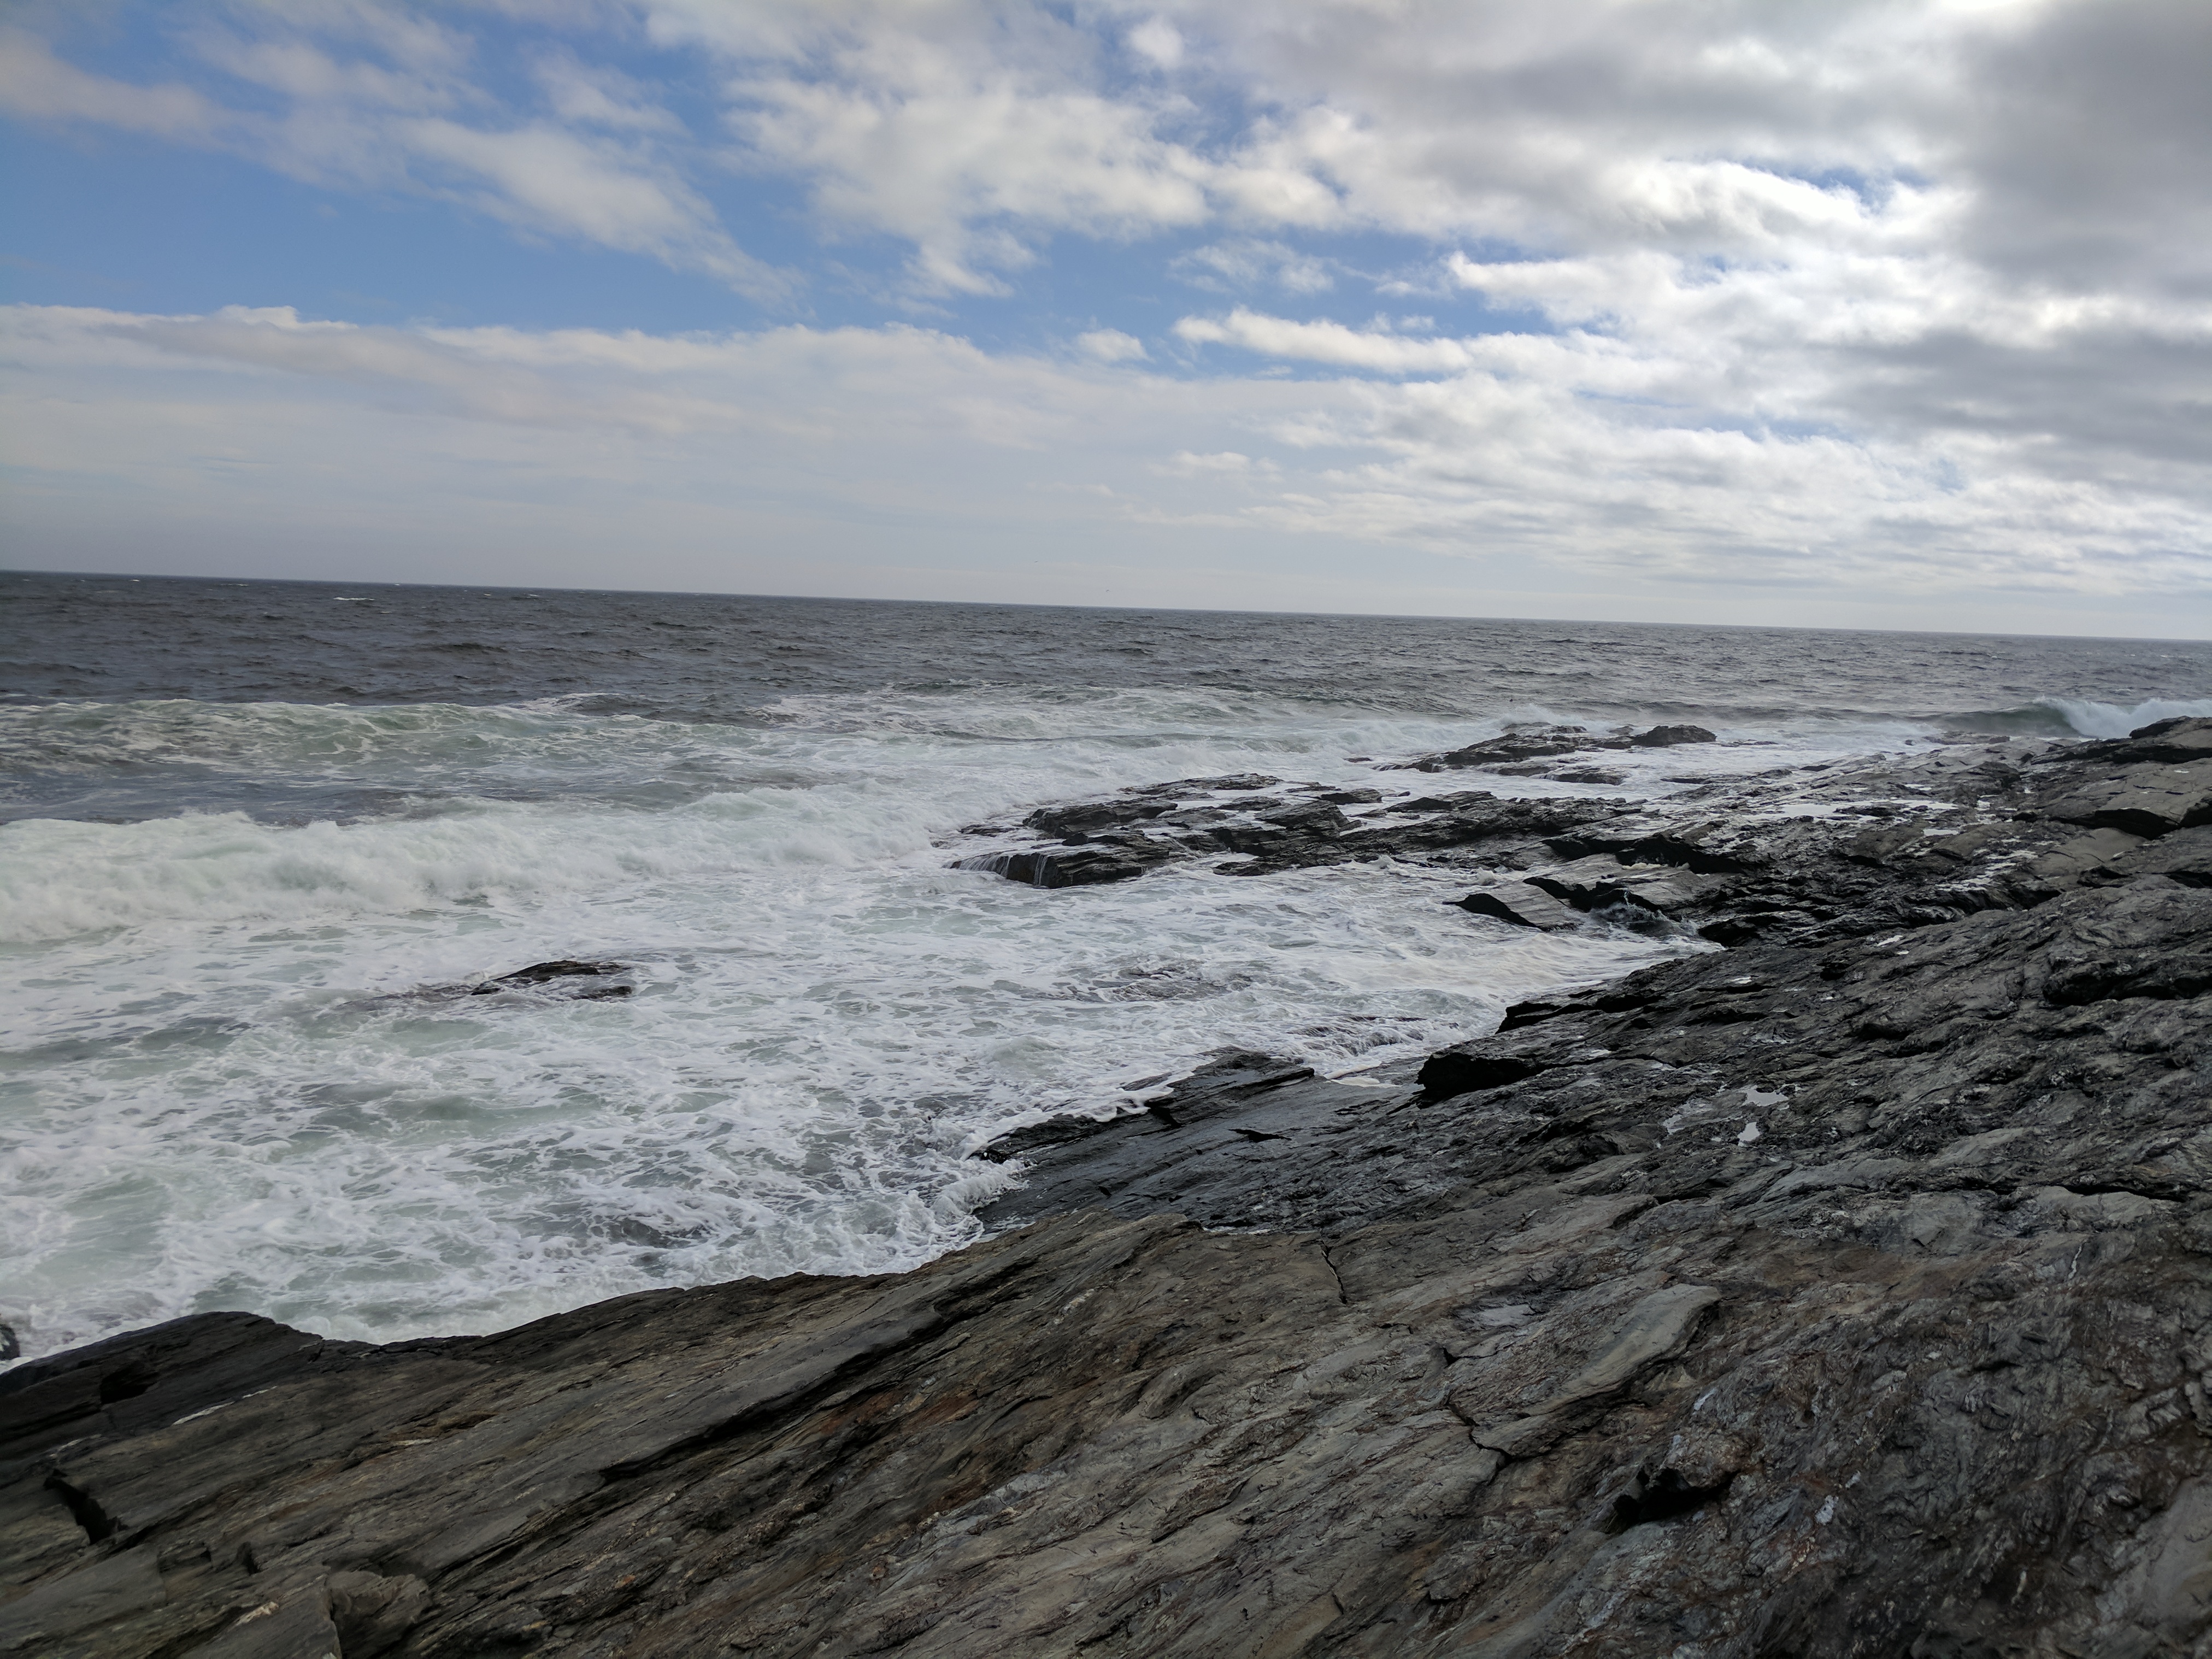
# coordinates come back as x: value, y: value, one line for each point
x: 2076, y: 717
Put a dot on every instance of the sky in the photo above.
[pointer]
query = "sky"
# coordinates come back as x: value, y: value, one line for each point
x: 1891, y: 313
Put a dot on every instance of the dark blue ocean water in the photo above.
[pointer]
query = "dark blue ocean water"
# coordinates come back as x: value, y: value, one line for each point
x: 715, y: 658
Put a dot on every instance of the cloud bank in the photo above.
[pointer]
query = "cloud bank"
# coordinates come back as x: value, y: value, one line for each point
x: 1897, y: 306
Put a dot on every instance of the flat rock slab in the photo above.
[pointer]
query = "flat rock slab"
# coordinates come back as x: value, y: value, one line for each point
x: 1218, y: 1145
x: 1599, y: 882
x: 2151, y: 798
x: 1072, y: 866
x: 1521, y: 903
x: 2185, y: 857
x: 2172, y: 742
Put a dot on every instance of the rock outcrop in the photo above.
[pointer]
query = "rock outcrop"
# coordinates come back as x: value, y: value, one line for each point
x: 1847, y: 1292
x: 579, y: 981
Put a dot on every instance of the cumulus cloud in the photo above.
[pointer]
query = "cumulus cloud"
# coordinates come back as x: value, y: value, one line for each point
x: 1158, y: 40
x: 955, y: 157
x: 1327, y: 342
x: 366, y: 96
x: 1110, y: 345
x: 36, y: 85
x: 1905, y: 291
x: 2055, y: 135
x: 1248, y: 261
x: 1566, y: 454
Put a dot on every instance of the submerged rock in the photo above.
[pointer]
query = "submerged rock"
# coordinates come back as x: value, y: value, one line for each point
x: 561, y: 972
x: 1600, y: 881
x: 1522, y: 750
x: 1076, y: 866
x: 1666, y: 737
x: 1523, y: 904
x: 1519, y: 745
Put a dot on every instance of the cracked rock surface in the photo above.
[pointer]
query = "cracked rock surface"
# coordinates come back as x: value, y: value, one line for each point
x: 1846, y: 1291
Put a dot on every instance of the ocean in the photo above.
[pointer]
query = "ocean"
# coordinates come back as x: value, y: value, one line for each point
x: 260, y: 838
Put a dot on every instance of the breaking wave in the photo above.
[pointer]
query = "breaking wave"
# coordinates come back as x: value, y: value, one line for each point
x: 2074, y: 717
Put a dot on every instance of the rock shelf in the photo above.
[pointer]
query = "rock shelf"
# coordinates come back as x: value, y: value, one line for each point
x: 1847, y: 1290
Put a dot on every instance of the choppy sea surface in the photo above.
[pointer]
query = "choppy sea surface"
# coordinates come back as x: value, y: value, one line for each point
x: 247, y: 825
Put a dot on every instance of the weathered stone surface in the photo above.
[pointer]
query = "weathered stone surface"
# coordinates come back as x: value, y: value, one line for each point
x: 582, y: 981
x: 2149, y: 799
x: 1074, y: 867
x: 2169, y: 742
x: 1519, y: 745
x: 1845, y: 1292
x: 1522, y: 750
x: 1666, y: 737
x: 1600, y: 883
x: 2185, y: 856
x: 1520, y: 902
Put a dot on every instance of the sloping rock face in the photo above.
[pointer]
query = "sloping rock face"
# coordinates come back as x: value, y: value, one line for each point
x: 1845, y: 1292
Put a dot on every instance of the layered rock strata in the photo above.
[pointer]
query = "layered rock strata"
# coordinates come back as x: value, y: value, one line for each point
x: 1846, y: 1291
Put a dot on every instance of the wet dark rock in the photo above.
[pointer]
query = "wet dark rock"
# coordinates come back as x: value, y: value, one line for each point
x: 1138, y: 805
x: 1859, y: 849
x: 1600, y: 881
x: 1525, y: 750
x: 1235, y: 781
x: 1076, y: 823
x: 1667, y: 737
x: 129, y: 1382
x: 1078, y: 866
x: 2146, y: 799
x: 1237, y: 1105
x: 2168, y: 743
x: 1846, y: 1291
x: 2185, y: 856
x: 1521, y: 903
x: 1148, y: 829
x: 1517, y: 745
x: 559, y: 973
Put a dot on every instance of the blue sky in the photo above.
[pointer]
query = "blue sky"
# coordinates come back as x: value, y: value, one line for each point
x: 1883, y: 312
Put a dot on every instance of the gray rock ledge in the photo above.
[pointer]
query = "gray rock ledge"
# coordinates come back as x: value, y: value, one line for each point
x: 1848, y: 1291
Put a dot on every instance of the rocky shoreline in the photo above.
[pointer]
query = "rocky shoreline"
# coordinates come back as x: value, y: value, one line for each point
x: 1843, y: 1290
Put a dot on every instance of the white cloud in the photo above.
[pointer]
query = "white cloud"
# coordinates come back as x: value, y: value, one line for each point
x: 36, y: 85
x: 1528, y: 459
x: 1247, y: 262
x: 908, y: 139
x: 972, y: 129
x: 373, y: 96
x: 1184, y: 464
x: 601, y: 98
x: 1327, y: 342
x: 1910, y: 291
x: 1110, y: 345
x: 1158, y: 40
x: 549, y: 180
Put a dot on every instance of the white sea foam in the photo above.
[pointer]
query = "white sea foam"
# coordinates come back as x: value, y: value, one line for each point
x: 2106, y: 719
x: 221, y: 1095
